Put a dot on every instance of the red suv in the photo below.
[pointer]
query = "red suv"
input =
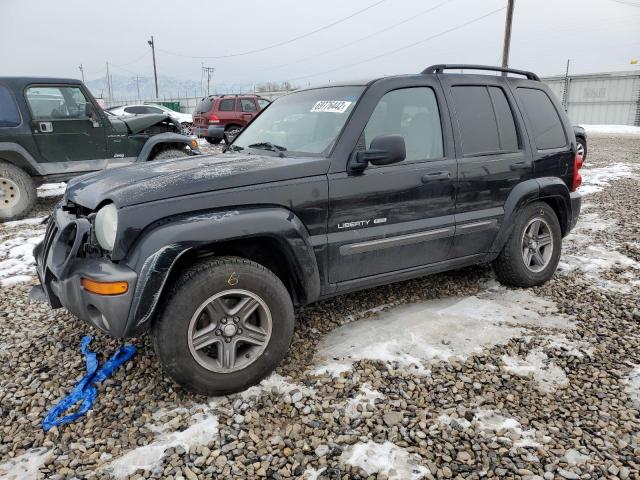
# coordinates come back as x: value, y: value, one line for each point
x: 222, y: 117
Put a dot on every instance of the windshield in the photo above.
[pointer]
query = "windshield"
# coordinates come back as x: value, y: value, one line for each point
x: 304, y: 122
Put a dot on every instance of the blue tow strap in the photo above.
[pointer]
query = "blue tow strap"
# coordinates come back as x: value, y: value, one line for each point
x: 85, y: 389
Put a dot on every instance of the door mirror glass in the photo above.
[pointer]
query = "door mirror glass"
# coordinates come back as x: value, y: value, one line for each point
x: 384, y: 150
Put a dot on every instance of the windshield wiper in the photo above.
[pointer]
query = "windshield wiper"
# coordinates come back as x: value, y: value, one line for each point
x: 267, y: 146
x: 234, y: 148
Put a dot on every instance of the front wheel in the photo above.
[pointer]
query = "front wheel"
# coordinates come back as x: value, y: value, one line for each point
x: 531, y: 254
x: 187, y: 129
x: 170, y: 153
x: 17, y: 192
x: 213, y: 141
x: 226, y: 324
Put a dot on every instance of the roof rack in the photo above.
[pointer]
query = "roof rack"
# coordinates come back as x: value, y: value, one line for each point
x: 442, y: 67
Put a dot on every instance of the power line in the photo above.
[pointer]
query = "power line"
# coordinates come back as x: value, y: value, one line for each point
x: 366, y: 37
x: 286, y: 42
x: 132, y: 61
x: 391, y: 52
x: 628, y: 3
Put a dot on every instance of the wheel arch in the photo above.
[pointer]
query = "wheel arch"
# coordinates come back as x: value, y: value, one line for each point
x: 17, y: 155
x: 163, y: 141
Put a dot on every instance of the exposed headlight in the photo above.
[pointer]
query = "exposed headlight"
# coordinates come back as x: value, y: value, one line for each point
x: 106, y: 226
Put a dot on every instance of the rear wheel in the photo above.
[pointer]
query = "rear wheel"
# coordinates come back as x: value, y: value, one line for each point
x: 531, y: 254
x: 581, y: 148
x: 226, y: 324
x: 213, y: 141
x: 231, y: 133
x: 187, y: 129
x: 170, y: 153
x: 17, y: 192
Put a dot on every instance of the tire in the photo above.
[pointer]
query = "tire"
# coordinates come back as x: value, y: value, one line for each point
x: 183, y: 348
x: 187, y: 129
x: 231, y: 133
x: 582, y: 147
x: 213, y: 141
x: 511, y: 265
x: 17, y: 192
x: 170, y: 153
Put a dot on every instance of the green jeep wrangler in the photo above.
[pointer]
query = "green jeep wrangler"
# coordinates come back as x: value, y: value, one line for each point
x: 52, y: 129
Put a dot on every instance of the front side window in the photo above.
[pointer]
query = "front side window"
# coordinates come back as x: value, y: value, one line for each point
x: 9, y: 113
x: 263, y: 102
x: 543, y: 117
x: 413, y: 114
x: 56, y: 102
x: 307, y: 122
x: 485, y: 120
x: 247, y: 105
x: 227, y: 105
x: 154, y: 110
x: 136, y: 110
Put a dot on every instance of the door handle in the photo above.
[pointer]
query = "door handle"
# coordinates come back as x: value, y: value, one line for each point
x: 429, y: 177
x: 46, y: 127
x: 520, y: 165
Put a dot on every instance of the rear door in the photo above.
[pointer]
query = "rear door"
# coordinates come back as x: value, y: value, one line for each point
x: 493, y: 157
x: 249, y: 109
x: 61, y: 127
x: 396, y: 217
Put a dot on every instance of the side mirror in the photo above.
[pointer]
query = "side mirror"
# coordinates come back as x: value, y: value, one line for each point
x: 385, y: 150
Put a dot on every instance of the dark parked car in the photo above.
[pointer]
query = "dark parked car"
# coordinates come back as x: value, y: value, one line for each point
x: 53, y: 129
x: 222, y: 117
x: 330, y: 190
x: 581, y: 140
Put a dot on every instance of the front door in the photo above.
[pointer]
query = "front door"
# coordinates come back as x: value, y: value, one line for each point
x: 395, y: 217
x: 61, y: 126
x: 249, y: 109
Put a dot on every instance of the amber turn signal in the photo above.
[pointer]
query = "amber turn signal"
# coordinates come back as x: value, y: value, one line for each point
x: 194, y: 144
x: 105, y: 288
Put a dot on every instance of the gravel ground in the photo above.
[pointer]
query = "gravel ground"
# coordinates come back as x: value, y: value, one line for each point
x: 467, y: 380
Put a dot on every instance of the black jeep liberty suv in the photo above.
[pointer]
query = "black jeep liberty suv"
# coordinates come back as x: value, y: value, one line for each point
x: 329, y: 190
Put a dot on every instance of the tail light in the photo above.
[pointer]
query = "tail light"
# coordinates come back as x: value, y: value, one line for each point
x: 577, y: 178
x: 213, y: 118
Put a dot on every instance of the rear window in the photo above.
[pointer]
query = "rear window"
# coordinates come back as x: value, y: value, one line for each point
x: 485, y: 120
x: 9, y: 114
x: 204, y: 105
x: 227, y: 105
x: 543, y: 117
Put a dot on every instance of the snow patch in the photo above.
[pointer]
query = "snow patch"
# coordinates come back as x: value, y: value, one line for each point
x: 437, y: 330
x: 385, y: 458
x: 25, y: 466
x: 574, y: 457
x: 202, y: 431
x: 51, y: 190
x: 277, y: 384
x: 547, y: 375
x: 367, y: 396
x: 16, y: 259
x: 312, y: 473
x: 595, y: 179
x: 26, y: 221
x: 612, y: 129
x: 489, y: 421
x: 633, y: 385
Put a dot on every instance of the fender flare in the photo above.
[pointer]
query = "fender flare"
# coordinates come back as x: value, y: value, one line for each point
x: 20, y: 157
x: 159, y: 248
x: 523, y: 194
x: 168, y: 138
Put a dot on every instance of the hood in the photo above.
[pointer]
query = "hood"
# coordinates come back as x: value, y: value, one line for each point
x: 151, y: 181
x: 138, y: 123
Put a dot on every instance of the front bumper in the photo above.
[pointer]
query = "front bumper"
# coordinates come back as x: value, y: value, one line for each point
x: 61, y: 263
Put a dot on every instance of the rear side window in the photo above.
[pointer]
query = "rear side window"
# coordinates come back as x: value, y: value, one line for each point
x: 543, y: 117
x: 136, y: 110
x: 248, y: 105
x: 485, y: 120
x: 227, y: 105
x: 204, y: 105
x: 9, y: 114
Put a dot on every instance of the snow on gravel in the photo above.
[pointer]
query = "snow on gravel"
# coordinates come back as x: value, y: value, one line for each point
x: 16, y: 259
x: 385, y: 458
x: 633, y: 385
x: 25, y: 466
x: 415, y: 334
x: 51, y: 189
x: 595, y: 179
x: 547, y: 375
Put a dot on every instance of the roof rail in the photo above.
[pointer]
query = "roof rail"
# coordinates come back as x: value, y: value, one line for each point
x: 442, y: 67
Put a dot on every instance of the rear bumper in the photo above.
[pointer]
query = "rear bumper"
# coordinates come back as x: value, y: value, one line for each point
x: 214, y: 131
x: 60, y: 271
x: 576, y: 205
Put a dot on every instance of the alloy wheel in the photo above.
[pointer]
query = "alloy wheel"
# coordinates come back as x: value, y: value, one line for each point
x: 229, y: 331
x: 537, y: 244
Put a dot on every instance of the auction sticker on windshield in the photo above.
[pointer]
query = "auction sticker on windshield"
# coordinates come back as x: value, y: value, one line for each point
x: 331, y: 106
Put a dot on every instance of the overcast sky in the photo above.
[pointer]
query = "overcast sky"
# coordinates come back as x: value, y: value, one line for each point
x: 51, y: 38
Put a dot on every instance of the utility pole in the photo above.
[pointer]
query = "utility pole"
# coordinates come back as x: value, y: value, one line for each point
x: 138, y: 86
x: 565, y: 93
x: 109, y: 92
x: 82, y: 72
x: 153, y: 52
x: 209, y: 71
x: 507, y: 35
